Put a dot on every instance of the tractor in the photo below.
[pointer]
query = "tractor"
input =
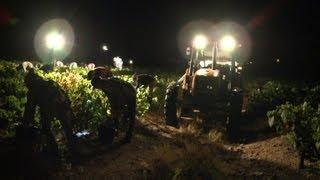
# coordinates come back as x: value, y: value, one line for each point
x: 210, y: 85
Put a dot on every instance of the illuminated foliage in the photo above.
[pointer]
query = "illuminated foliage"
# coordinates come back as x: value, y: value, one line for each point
x: 302, y: 123
x: 12, y: 95
x: 271, y: 95
x: 89, y: 105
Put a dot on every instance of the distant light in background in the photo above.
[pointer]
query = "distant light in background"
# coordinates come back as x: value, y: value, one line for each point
x: 54, y: 40
x: 105, y: 47
x: 228, y: 43
x: 200, y: 42
x: 131, y: 61
x: 277, y: 60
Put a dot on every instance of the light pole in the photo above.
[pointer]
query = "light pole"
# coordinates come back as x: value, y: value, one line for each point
x: 54, y: 42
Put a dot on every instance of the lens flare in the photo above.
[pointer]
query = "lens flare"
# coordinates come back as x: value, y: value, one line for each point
x: 187, y: 34
x: 200, y: 42
x: 54, y: 40
x: 228, y: 43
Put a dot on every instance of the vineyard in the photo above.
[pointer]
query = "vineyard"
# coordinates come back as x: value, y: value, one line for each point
x: 90, y: 106
x: 291, y: 110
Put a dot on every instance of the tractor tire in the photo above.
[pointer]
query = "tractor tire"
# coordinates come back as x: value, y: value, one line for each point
x: 172, y: 110
x: 234, y: 117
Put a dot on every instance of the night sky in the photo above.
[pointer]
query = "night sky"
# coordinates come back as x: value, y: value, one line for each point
x: 148, y: 30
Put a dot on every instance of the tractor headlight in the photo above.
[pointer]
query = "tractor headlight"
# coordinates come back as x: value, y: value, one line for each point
x: 228, y: 43
x: 200, y: 42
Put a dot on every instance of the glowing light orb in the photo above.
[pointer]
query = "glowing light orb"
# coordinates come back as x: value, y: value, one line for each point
x: 200, y: 42
x: 55, y: 41
x: 130, y: 61
x: 105, y: 48
x: 228, y: 43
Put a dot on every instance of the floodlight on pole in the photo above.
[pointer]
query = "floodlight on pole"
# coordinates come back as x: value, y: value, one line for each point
x: 55, y: 41
x: 228, y: 43
x: 200, y: 42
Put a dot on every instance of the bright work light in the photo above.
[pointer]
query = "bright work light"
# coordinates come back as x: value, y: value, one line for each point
x: 228, y: 43
x: 55, y: 41
x: 200, y: 42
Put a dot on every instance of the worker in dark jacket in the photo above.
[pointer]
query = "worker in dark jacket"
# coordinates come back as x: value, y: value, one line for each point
x: 122, y: 98
x: 53, y: 103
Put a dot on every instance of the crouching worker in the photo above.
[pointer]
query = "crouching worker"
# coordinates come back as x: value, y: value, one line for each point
x: 122, y: 98
x: 53, y: 103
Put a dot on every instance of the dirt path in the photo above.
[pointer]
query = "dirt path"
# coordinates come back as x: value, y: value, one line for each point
x: 157, y: 149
